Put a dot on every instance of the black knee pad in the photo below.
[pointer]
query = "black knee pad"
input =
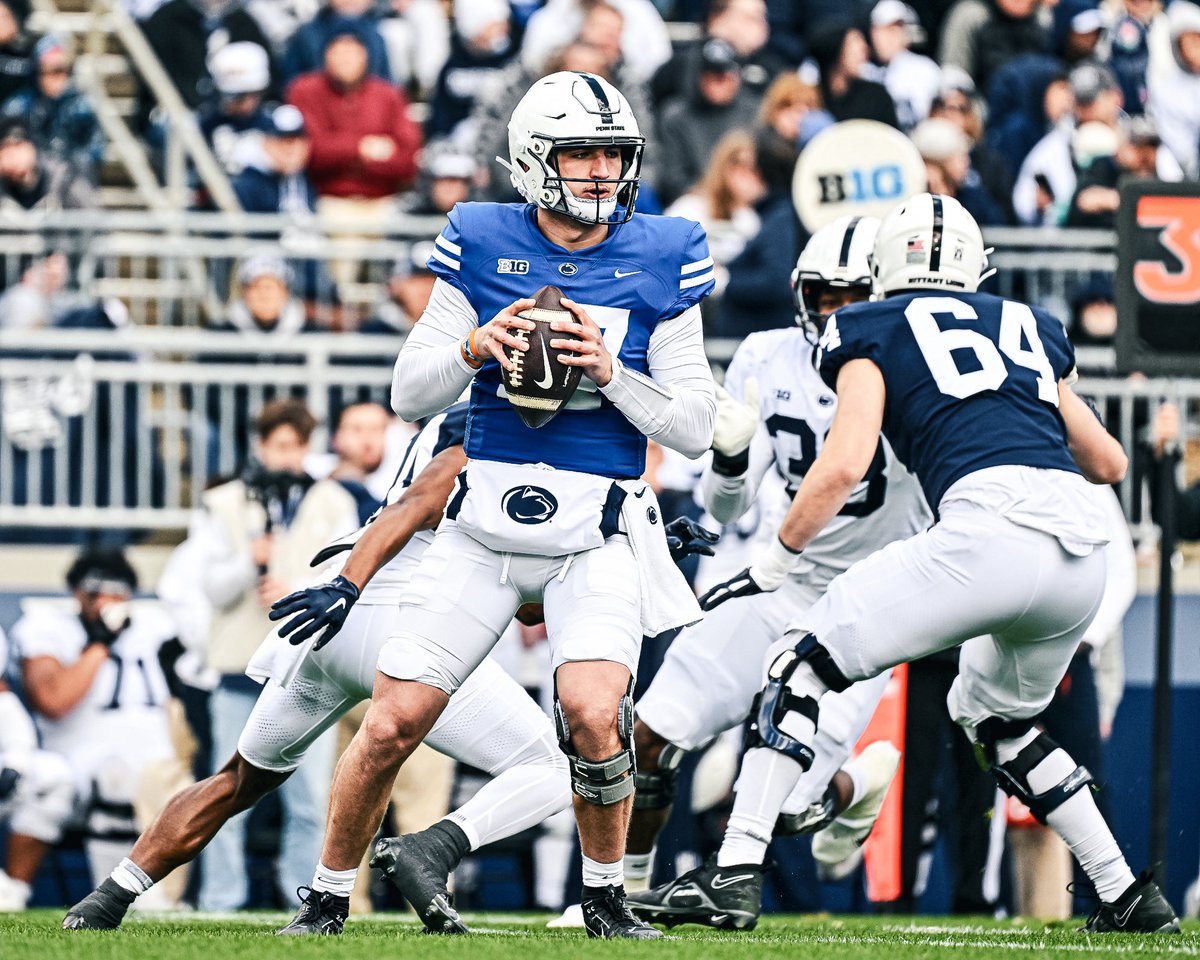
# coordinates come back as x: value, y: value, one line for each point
x: 608, y: 781
x: 656, y: 789
x: 1013, y: 778
x: 817, y: 657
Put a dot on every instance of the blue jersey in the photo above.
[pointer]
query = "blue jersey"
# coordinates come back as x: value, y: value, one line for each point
x: 971, y: 381
x: 645, y: 271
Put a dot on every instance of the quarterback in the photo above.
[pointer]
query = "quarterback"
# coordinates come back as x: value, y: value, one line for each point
x: 973, y: 392
x: 554, y: 515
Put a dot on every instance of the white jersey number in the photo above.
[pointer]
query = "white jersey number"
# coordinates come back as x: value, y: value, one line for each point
x: 1017, y: 324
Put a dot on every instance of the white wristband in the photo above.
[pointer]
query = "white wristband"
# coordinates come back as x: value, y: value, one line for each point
x: 773, y: 565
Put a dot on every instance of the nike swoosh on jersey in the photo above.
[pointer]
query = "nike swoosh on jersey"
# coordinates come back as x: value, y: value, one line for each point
x: 720, y: 883
x: 547, y: 377
x: 619, y: 275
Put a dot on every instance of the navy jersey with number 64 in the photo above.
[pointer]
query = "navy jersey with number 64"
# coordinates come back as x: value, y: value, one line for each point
x: 971, y: 381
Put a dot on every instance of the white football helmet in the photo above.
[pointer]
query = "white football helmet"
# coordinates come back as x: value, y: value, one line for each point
x: 837, y: 255
x: 930, y: 242
x: 570, y: 110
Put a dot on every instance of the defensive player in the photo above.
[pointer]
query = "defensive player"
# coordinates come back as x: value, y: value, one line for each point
x: 973, y: 391
x: 37, y: 795
x: 773, y: 414
x: 554, y: 515
x: 492, y: 724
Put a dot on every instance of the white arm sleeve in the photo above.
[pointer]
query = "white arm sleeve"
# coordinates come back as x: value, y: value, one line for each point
x: 676, y: 405
x: 727, y: 498
x: 430, y: 372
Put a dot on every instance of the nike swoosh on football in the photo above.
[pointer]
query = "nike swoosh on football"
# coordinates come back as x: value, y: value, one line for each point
x: 547, y: 376
x: 1123, y: 918
x: 619, y: 275
x: 720, y: 883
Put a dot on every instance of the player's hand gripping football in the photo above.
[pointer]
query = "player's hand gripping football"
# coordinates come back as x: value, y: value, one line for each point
x: 593, y: 356
x: 767, y: 573
x: 737, y: 421
x: 686, y: 537
x: 491, y: 339
x: 323, y: 607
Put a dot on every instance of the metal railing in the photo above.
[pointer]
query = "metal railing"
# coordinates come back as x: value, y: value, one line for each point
x: 125, y: 429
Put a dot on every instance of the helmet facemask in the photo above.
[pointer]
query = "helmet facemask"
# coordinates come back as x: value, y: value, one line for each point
x: 807, y: 288
x: 618, y: 207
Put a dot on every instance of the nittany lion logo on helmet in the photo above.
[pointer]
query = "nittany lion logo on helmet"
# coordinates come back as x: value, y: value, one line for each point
x: 526, y: 504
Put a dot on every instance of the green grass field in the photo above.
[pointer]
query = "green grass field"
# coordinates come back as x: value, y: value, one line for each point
x: 36, y: 936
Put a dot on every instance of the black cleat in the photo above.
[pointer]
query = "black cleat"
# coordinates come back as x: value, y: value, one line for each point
x: 1142, y: 908
x: 102, y: 909
x: 728, y: 898
x: 606, y: 916
x: 419, y: 866
x: 320, y: 914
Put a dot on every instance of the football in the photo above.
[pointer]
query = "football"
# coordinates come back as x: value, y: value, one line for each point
x: 538, y: 385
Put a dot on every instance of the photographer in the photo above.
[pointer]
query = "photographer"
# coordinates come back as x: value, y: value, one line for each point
x: 252, y: 542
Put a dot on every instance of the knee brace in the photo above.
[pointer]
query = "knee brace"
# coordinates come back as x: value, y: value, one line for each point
x: 1013, y: 776
x: 608, y: 781
x: 773, y: 705
x: 656, y: 789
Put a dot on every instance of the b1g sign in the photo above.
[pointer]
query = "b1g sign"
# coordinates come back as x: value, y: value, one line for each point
x: 1158, y: 278
x: 855, y: 168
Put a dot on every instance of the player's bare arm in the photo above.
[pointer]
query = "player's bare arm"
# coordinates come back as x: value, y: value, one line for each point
x: 55, y: 690
x: 1096, y: 452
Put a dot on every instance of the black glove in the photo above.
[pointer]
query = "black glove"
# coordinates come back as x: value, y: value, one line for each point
x: 686, y: 537
x: 98, y: 631
x: 324, y: 606
x: 8, y: 782
x: 741, y: 585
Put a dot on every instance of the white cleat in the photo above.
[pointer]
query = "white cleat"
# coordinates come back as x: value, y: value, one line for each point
x: 838, y: 848
x: 14, y: 894
x: 571, y: 919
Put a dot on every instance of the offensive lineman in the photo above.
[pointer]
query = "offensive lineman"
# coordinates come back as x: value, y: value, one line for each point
x: 555, y: 515
x: 1013, y: 570
x: 491, y: 724
x: 773, y: 413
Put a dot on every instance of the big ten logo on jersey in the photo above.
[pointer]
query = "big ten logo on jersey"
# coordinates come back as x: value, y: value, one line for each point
x: 505, y: 265
x: 1157, y: 282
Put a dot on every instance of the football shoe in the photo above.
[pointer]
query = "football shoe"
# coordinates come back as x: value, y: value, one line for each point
x: 728, y: 898
x: 1142, y: 908
x: 320, y: 914
x: 419, y: 866
x: 838, y: 848
x: 606, y: 916
x: 102, y: 909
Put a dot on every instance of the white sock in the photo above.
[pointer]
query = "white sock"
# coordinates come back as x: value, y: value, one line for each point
x: 638, y: 867
x: 338, y: 882
x: 130, y: 876
x: 597, y: 874
x: 1077, y: 821
x: 766, y: 780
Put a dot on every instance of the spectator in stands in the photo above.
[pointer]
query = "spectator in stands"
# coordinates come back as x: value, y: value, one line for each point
x: 408, y: 291
x: 16, y: 53
x: 1174, y: 91
x: 266, y: 303
x: 740, y: 23
x: 360, y: 442
x: 692, y: 124
x: 1129, y: 41
x: 37, y: 298
x: 447, y: 178
x: 958, y: 104
x: 1028, y: 97
x: 60, y: 121
x: 254, y: 537
x: 241, y: 73
x: 645, y: 44
x: 93, y: 680
x: 945, y: 149
x: 912, y: 80
x: 184, y: 34
x: 480, y: 48
x: 273, y: 177
x: 30, y: 180
x: 791, y: 108
x: 417, y: 36
x: 364, y: 144
x: 841, y: 54
x: 724, y: 200
x: 1078, y: 29
x: 758, y: 295
x: 306, y: 49
x: 1096, y: 196
x: 982, y: 35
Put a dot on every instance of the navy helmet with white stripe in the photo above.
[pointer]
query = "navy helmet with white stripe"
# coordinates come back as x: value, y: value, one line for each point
x: 565, y: 110
x: 835, y: 256
x: 929, y: 242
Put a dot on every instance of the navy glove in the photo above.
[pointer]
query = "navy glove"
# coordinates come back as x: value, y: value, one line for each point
x: 686, y: 537
x: 740, y: 585
x: 324, y: 606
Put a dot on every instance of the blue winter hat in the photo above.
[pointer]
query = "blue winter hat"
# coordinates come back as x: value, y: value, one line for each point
x: 339, y: 27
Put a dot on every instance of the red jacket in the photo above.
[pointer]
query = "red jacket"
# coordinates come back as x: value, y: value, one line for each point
x: 338, y: 119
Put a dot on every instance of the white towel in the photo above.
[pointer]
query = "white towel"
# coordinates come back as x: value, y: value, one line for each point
x: 667, y: 600
x: 276, y: 659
